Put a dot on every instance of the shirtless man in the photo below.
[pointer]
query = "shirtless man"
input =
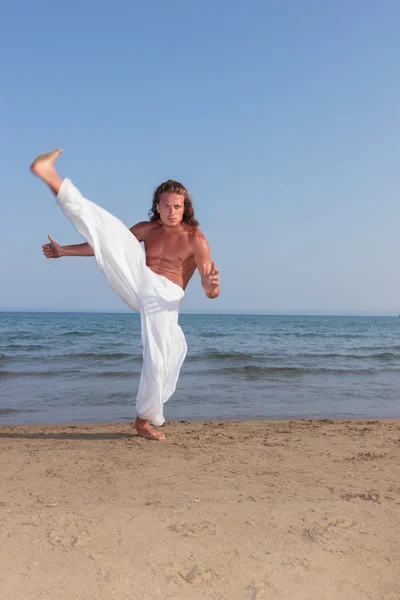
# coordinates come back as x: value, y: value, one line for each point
x: 174, y: 248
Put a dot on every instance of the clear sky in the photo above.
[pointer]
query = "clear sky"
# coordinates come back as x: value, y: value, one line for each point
x: 281, y: 117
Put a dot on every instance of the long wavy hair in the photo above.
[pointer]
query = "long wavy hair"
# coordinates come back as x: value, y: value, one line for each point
x: 174, y: 187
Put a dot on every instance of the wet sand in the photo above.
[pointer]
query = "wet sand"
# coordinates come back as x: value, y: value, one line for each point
x: 297, y: 510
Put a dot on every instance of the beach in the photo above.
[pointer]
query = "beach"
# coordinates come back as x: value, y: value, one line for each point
x: 306, y: 509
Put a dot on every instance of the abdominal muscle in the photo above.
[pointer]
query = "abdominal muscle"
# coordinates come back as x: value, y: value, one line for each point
x: 178, y: 272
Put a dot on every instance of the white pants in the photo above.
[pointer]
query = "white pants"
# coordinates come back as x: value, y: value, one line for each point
x: 121, y: 258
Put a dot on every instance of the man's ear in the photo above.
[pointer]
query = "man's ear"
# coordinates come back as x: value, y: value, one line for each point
x: 158, y: 207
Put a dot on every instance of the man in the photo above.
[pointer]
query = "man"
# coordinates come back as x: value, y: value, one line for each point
x: 151, y: 283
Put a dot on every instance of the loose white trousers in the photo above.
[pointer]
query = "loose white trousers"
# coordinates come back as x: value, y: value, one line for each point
x: 122, y: 259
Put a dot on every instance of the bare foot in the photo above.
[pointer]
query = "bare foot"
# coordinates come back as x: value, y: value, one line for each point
x: 144, y: 429
x: 43, y: 165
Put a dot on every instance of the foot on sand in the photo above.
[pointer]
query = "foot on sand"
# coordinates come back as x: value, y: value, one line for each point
x: 143, y: 429
x: 43, y: 165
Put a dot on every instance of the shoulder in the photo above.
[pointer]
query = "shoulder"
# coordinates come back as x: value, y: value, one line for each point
x: 142, y: 229
x: 197, y: 239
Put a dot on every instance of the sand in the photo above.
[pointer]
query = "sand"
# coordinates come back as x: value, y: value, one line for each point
x: 241, y: 510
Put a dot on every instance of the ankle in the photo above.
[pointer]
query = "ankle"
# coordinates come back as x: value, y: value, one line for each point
x: 141, y: 423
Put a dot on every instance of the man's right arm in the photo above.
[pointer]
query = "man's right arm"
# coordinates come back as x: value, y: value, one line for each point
x: 54, y: 250
x: 77, y: 250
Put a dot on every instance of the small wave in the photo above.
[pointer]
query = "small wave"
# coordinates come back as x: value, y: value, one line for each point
x: 10, y: 411
x: 2, y: 356
x: 5, y: 374
x: 213, y: 334
x: 78, y: 333
x: 215, y: 355
x: 102, y: 355
x: 23, y: 336
x: 308, y: 334
x: 319, y: 334
x: 65, y: 373
x: 117, y: 400
x: 118, y: 396
x: 26, y: 347
x: 255, y: 370
x: 383, y: 356
x: 377, y: 355
x: 113, y: 374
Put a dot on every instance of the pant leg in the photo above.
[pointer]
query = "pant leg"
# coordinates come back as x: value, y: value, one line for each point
x: 164, y: 350
x: 118, y: 252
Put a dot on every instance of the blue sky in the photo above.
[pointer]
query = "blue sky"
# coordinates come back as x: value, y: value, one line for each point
x: 281, y: 117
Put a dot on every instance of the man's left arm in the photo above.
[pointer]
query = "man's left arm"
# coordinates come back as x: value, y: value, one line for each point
x: 208, y: 272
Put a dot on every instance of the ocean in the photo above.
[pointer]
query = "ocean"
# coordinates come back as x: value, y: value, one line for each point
x: 85, y: 367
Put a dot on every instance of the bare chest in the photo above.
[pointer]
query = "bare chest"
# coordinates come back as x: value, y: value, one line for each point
x: 170, y: 248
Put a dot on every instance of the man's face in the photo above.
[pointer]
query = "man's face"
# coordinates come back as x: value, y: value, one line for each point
x: 171, y: 208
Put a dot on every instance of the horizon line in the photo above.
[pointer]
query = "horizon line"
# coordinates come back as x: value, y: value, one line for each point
x: 271, y: 312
